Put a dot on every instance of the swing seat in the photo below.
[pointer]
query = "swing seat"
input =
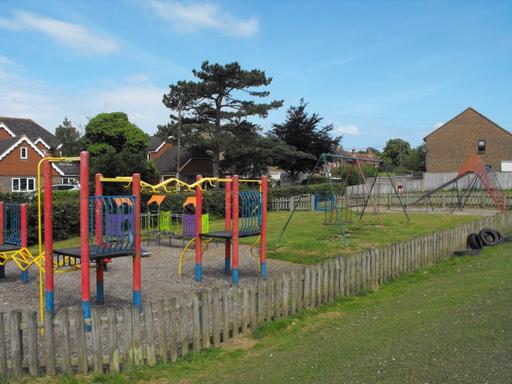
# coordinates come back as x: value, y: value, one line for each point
x: 228, y: 235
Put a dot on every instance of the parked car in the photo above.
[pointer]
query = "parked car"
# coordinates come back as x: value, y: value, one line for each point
x: 65, y: 187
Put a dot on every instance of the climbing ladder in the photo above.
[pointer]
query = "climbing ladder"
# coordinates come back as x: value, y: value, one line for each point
x: 474, y: 164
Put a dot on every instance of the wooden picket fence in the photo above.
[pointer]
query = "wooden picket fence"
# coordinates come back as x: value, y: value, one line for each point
x: 442, y: 199
x: 167, y: 330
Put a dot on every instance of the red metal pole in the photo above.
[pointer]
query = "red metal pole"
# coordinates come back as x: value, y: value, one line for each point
x: 137, y: 277
x: 199, y: 211
x: 1, y: 222
x: 84, y: 234
x: 263, y: 240
x: 234, y: 274
x: 23, y: 230
x: 48, y: 236
x: 2, y: 267
x: 98, y: 223
x: 227, y: 242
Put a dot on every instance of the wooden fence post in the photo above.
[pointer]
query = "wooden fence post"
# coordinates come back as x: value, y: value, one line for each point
x: 196, y: 326
x: 96, y: 341
x: 65, y: 339
x: 3, y: 352
x: 150, y: 335
x: 33, y: 357
x: 17, y: 344
x: 216, y: 318
x: 205, y: 324
x: 83, y: 364
x: 173, y: 329
x: 114, y: 356
x: 49, y: 338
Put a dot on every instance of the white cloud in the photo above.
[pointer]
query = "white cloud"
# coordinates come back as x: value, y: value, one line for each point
x: 142, y: 101
x: 136, y: 95
x: 192, y: 17
x: 77, y: 37
x: 438, y: 125
x: 5, y: 60
x: 349, y: 129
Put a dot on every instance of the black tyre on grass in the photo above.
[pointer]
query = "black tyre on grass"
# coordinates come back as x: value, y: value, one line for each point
x: 490, y: 236
x: 474, y: 241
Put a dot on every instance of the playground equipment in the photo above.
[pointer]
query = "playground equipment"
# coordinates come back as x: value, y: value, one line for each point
x: 158, y: 223
x: 472, y: 166
x: 13, y: 239
x: 246, y: 216
x: 109, y: 227
x: 253, y: 221
x: 332, y: 200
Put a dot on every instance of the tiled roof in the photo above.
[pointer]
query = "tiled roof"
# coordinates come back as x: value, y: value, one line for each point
x: 467, y: 110
x: 166, y: 163
x: 69, y: 169
x: 359, y: 156
x: 6, y: 144
x: 30, y: 129
x: 154, y: 142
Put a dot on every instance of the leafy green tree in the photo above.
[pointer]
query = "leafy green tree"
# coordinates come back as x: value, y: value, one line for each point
x: 249, y: 153
x: 395, y: 153
x: 69, y: 138
x: 215, y: 101
x: 118, y: 147
x: 415, y: 161
x: 305, y: 138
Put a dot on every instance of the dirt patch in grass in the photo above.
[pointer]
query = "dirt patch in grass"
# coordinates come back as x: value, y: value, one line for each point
x: 243, y: 342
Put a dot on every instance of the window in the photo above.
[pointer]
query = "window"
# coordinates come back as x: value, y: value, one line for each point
x: 23, y: 153
x: 481, y: 146
x: 23, y: 184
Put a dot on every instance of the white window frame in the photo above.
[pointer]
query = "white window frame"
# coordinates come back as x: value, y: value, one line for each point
x: 23, y: 149
x: 28, y: 181
x: 480, y: 148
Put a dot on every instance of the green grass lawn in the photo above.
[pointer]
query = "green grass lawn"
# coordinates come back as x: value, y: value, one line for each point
x: 449, y: 324
x: 307, y: 240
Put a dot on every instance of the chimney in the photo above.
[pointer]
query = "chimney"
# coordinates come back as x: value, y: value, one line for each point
x: 353, y: 150
x: 370, y: 152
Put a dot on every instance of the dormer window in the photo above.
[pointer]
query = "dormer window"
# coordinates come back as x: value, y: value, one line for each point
x: 24, y: 153
x: 481, y: 146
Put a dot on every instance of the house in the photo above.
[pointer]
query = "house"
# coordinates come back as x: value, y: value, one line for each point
x: 368, y: 158
x: 466, y: 134
x: 23, y: 143
x: 165, y: 156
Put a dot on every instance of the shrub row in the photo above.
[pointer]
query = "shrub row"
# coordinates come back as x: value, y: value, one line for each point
x: 66, y: 206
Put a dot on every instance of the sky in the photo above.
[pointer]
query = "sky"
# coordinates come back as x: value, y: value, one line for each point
x: 376, y: 70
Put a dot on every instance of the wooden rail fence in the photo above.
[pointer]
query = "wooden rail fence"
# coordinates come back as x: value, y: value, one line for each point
x: 443, y: 199
x: 167, y: 330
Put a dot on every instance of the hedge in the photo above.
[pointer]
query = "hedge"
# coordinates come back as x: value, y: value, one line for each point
x: 66, y: 206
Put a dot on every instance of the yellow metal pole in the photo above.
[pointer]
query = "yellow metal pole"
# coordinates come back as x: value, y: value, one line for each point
x: 39, y: 225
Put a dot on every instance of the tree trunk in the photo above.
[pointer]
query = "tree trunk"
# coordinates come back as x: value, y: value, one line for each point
x: 216, y: 164
x: 216, y: 154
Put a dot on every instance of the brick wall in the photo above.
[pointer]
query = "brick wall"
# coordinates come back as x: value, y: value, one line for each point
x: 156, y: 155
x: 4, y: 135
x: 450, y: 145
x: 13, y: 165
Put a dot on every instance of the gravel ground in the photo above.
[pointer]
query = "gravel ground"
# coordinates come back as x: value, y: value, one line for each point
x: 159, y: 278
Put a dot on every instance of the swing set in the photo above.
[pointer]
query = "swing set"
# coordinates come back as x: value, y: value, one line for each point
x: 331, y: 200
